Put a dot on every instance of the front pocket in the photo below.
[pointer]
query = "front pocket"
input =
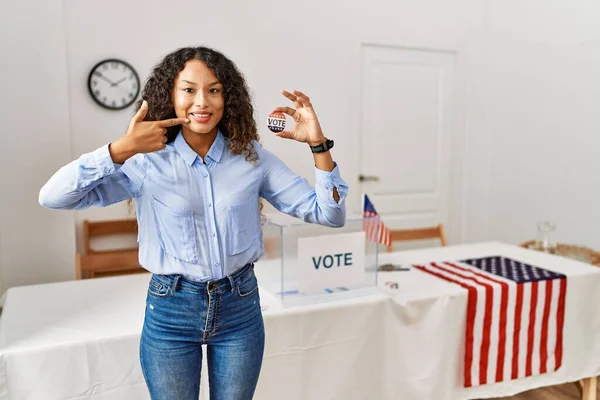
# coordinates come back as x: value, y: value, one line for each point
x: 157, y: 288
x: 176, y: 231
x: 248, y: 286
x: 242, y: 226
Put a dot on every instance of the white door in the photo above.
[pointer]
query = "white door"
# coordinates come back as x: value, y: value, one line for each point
x: 407, y: 121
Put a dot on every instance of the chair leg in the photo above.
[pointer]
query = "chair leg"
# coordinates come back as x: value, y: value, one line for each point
x: 442, y: 233
x: 589, y: 388
x: 78, y: 267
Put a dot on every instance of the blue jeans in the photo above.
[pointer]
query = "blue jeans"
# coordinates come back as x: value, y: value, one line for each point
x: 182, y: 315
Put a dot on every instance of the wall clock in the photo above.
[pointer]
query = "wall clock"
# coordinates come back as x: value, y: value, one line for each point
x: 113, y: 84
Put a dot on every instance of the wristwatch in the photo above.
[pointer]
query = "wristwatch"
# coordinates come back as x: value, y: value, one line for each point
x: 323, y: 147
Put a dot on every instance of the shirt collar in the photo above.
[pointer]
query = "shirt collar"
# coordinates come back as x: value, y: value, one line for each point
x: 216, y: 150
x: 189, y: 155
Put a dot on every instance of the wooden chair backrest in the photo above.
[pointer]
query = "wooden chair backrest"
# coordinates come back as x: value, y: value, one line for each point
x: 434, y: 232
x: 92, y: 229
x: 98, y: 263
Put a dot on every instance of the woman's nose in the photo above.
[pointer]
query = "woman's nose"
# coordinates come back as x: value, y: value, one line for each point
x: 200, y: 100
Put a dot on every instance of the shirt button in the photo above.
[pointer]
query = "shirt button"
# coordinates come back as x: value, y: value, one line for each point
x: 209, y: 204
x: 212, y: 234
x: 217, y: 263
x: 205, y: 174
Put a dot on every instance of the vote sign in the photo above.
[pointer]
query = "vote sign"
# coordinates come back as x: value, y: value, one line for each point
x: 331, y: 261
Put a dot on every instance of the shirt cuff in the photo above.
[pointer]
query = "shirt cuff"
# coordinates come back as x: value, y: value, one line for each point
x: 104, y: 162
x: 326, y: 181
x: 325, y: 177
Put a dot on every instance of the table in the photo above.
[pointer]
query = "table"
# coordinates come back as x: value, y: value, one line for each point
x: 79, y: 339
x: 438, y: 378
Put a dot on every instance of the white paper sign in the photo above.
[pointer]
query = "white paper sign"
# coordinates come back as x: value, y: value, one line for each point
x: 332, y: 261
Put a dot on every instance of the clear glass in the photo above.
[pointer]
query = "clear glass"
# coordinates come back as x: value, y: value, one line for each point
x: 545, y: 237
x: 278, y: 270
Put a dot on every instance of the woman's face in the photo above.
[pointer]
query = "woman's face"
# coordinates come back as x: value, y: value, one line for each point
x: 198, y: 95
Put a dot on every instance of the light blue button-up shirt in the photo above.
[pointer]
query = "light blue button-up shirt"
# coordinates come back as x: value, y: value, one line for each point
x: 197, y: 217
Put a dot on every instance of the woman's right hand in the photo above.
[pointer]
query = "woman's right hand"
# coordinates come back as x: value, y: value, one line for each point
x: 142, y: 136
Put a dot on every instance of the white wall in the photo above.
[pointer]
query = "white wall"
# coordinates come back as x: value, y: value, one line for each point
x: 526, y: 78
x: 542, y: 93
x: 36, y: 245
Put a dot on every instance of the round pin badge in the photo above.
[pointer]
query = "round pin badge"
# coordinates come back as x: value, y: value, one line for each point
x: 276, y: 121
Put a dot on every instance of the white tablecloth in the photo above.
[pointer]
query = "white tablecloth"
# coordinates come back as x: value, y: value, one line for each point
x: 79, y: 339
x: 428, y: 325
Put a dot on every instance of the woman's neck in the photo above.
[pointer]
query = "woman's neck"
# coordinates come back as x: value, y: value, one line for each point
x: 200, y: 142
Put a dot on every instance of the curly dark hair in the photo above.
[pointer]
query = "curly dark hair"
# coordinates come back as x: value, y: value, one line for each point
x: 237, y: 125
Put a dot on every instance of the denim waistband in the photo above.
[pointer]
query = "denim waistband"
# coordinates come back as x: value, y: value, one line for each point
x: 225, y: 283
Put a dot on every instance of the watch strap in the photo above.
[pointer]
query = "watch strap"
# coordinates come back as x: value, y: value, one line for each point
x: 323, y: 147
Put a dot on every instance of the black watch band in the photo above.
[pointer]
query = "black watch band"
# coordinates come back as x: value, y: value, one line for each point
x: 323, y: 147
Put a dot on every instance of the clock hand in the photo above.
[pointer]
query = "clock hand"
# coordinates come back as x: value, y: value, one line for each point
x: 105, y: 78
x: 117, y: 82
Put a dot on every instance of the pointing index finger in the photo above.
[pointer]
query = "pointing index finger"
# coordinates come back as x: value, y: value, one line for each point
x: 172, y: 122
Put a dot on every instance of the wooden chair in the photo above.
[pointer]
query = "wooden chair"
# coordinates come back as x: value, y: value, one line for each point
x: 100, y: 263
x: 271, y: 249
x: 434, y: 232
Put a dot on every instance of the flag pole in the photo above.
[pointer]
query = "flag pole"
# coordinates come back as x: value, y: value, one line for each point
x: 362, y: 204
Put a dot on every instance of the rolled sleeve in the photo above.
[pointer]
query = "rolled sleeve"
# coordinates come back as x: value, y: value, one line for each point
x: 326, y: 181
x: 293, y: 195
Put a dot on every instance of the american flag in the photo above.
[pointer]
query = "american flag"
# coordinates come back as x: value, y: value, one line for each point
x: 515, y: 317
x: 375, y: 228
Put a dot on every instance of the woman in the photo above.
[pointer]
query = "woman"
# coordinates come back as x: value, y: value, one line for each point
x: 192, y: 163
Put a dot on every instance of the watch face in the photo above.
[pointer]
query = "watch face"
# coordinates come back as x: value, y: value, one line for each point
x: 114, y: 84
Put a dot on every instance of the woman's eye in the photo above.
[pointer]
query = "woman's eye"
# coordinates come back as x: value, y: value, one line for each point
x: 214, y: 90
x: 188, y: 90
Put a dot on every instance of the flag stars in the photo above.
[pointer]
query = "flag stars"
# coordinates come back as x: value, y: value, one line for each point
x: 510, y: 268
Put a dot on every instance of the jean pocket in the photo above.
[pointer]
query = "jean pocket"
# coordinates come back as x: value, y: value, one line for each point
x: 248, y: 286
x: 158, y: 288
x: 242, y: 226
x: 176, y: 231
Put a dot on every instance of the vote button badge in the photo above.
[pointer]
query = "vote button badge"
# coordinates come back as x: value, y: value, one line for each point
x: 276, y: 121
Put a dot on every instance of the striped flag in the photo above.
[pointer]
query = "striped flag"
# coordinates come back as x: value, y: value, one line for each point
x: 515, y: 317
x: 375, y: 228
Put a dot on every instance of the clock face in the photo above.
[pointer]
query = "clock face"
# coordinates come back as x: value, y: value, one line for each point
x: 114, y: 84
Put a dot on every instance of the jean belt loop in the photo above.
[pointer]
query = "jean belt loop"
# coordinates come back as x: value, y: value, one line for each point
x: 175, y: 282
x: 231, y: 281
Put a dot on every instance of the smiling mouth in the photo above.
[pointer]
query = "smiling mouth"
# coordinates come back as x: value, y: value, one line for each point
x: 200, y: 117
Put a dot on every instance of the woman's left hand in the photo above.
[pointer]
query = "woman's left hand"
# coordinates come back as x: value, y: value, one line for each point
x: 306, y: 124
